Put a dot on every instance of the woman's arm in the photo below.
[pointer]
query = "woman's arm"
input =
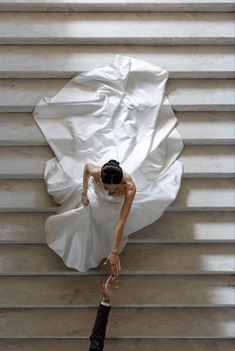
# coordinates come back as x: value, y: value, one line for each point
x: 89, y: 170
x: 113, y: 257
x: 123, y: 216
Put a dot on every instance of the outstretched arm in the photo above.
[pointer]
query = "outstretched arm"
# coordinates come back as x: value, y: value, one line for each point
x: 113, y: 257
x: 123, y: 216
x: 98, y: 333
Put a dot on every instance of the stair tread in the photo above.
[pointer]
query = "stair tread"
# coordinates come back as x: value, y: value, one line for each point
x: 161, y: 322
x: 195, y: 194
x: 123, y: 28
x: 116, y: 5
x: 82, y: 290
x: 68, y: 61
x: 20, y: 129
x: 198, y: 161
x: 21, y: 95
x: 166, y: 258
x: 133, y: 344
x: 172, y: 226
x: 188, y: 287
x: 206, y: 127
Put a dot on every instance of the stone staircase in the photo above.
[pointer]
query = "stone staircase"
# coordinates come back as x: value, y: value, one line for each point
x: 177, y: 285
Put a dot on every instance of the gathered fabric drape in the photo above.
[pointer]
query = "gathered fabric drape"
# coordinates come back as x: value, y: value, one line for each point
x: 118, y: 111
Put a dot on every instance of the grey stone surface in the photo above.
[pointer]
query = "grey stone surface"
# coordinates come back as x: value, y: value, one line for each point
x: 185, y: 260
x: 198, y: 161
x: 116, y: 5
x: 196, y: 128
x: 42, y: 291
x: 161, y: 322
x: 216, y: 128
x: 188, y: 61
x: 142, y: 258
x: 21, y: 95
x: 195, y: 194
x: 133, y: 344
x: 117, y: 28
x: 171, y: 227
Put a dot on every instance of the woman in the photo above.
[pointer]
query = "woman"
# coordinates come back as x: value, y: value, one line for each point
x: 112, y: 179
x: 115, y: 112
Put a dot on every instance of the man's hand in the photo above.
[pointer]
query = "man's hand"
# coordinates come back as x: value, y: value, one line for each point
x: 114, y: 261
x: 108, y: 287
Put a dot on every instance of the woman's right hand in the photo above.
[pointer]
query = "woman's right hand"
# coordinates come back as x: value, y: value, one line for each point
x: 85, y: 200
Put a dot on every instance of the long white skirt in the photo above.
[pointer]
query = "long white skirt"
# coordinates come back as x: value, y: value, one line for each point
x: 117, y: 112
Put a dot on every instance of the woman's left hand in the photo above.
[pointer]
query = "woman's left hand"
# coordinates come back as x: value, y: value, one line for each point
x: 114, y: 261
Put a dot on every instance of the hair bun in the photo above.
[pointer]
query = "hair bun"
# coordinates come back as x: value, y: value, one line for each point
x: 113, y: 162
x: 111, y: 172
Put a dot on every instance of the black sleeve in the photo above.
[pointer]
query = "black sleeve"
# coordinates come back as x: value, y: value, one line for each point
x: 99, y: 329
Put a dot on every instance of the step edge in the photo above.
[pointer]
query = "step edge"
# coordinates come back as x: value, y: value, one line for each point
x: 114, y: 306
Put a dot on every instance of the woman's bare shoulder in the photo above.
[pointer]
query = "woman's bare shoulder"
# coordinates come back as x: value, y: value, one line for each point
x: 129, y: 183
x: 94, y: 170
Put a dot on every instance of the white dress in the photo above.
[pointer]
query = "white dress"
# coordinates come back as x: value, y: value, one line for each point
x: 120, y: 112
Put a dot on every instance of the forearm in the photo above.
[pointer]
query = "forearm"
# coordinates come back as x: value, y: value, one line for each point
x: 98, y: 333
x: 118, y: 235
x: 85, y: 179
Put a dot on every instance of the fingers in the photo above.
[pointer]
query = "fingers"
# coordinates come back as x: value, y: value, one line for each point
x: 119, y: 264
x: 104, y: 264
x: 114, y: 268
x: 109, y: 280
x: 115, y: 265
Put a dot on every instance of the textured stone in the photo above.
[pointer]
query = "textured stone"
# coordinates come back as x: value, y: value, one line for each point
x: 161, y: 322
x: 198, y: 161
x: 141, y: 258
x: 116, y: 5
x: 21, y: 95
x: 216, y: 128
x: 30, y: 61
x: 162, y: 290
x: 171, y: 227
x: 117, y: 28
x: 133, y: 344
x: 195, y: 194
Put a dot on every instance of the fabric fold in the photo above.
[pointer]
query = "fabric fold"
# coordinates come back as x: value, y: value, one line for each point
x: 118, y: 111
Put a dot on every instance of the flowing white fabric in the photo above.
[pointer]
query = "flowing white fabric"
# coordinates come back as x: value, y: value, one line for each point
x: 120, y: 112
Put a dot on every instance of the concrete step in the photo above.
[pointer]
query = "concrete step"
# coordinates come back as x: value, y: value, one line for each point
x: 194, y: 195
x: 198, y: 161
x: 123, y: 322
x: 122, y: 344
x: 117, y: 5
x: 206, y: 127
x: 208, y: 161
x: 135, y: 259
x: 40, y: 61
x: 60, y: 292
x: 172, y: 227
x: 143, y: 28
x: 213, y: 128
x: 21, y: 95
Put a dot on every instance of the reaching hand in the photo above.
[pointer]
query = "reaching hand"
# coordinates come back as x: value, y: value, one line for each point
x: 114, y: 261
x: 85, y: 200
x: 108, y: 287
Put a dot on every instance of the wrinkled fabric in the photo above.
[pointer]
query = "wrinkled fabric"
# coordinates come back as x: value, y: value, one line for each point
x: 120, y: 112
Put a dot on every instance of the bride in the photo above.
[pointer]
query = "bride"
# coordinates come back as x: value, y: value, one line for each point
x: 116, y: 116
x: 111, y: 179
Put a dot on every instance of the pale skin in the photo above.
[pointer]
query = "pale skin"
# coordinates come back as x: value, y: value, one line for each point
x: 108, y: 287
x: 126, y: 187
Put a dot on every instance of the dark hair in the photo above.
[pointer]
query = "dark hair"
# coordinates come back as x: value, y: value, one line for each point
x: 111, y: 172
